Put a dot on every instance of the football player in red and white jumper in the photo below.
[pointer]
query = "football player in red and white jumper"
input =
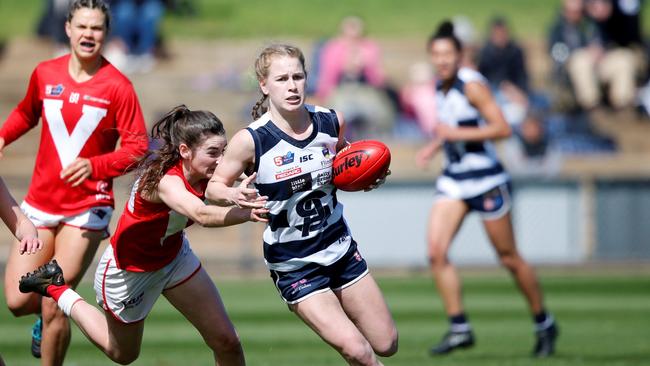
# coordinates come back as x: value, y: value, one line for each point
x: 149, y: 254
x: 86, y: 105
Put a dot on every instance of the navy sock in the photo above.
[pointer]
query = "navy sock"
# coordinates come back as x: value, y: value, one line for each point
x: 459, y: 323
x: 543, y: 320
x: 541, y: 317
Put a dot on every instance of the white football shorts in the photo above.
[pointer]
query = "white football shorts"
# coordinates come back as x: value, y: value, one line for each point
x: 93, y: 219
x: 129, y: 296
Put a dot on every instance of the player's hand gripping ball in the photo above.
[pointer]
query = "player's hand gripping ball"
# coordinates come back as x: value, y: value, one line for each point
x: 360, y: 164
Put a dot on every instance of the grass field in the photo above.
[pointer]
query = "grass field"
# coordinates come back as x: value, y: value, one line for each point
x: 605, y: 320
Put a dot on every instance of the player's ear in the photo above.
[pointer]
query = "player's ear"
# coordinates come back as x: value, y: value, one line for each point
x: 68, y: 29
x: 263, y: 87
x: 185, y: 151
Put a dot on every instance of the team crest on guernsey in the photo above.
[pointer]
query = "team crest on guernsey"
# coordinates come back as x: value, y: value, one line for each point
x: 284, y: 159
x: 326, y: 153
x: 54, y: 90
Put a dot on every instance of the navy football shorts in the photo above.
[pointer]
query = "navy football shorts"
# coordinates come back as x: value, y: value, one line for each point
x: 314, y: 278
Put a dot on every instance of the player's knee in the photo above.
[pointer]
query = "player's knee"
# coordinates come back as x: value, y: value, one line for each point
x: 123, y: 357
x: 228, y: 343
x: 511, y: 260
x: 51, y: 312
x: 19, y: 307
x: 437, y: 257
x: 388, y: 346
x: 358, y: 352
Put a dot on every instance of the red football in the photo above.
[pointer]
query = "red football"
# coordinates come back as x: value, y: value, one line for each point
x: 360, y: 164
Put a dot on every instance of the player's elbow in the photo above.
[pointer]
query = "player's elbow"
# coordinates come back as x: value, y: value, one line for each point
x: 504, y: 131
x: 209, y: 216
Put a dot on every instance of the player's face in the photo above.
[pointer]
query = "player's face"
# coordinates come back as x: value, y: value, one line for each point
x: 445, y: 58
x: 207, y: 155
x: 285, y: 84
x: 86, y: 30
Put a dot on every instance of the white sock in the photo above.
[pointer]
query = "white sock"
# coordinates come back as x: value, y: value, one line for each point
x: 68, y: 298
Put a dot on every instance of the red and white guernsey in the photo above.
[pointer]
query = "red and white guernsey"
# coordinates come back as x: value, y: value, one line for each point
x: 79, y: 120
x: 150, y: 234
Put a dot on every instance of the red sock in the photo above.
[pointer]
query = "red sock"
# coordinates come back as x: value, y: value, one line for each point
x: 55, y: 291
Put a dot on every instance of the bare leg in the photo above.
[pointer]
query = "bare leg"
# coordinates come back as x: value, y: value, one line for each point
x: 445, y: 220
x: 74, y: 250
x: 323, y: 313
x: 120, y: 342
x: 502, y: 237
x: 365, y: 306
x: 199, y: 301
x: 17, y: 265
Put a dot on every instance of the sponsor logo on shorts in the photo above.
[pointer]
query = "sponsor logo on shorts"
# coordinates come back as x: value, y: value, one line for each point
x: 134, y: 301
x: 99, y: 212
x: 54, y: 90
x: 357, y: 256
x: 489, y: 204
x: 299, y: 285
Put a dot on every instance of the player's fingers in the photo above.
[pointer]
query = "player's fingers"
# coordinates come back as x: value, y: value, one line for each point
x: 246, y: 181
x: 79, y: 180
x: 22, y: 248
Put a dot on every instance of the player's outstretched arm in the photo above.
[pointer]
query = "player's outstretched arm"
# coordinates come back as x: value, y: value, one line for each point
x: 22, y: 228
x: 239, y: 155
x: 173, y: 193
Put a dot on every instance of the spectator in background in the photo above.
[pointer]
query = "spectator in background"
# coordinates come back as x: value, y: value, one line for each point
x: 352, y: 80
x: 502, y: 62
x: 530, y: 152
x: 418, y: 103
x: 51, y: 24
x: 349, y: 57
x: 571, y: 42
x: 135, y: 34
x: 615, y: 59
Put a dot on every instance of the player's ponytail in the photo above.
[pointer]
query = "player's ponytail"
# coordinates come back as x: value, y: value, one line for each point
x: 445, y: 31
x: 259, y: 108
x: 178, y: 126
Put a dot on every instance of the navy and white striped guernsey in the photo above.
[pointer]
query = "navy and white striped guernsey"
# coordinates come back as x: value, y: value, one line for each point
x: 306, y: 223
x: 471, y: 167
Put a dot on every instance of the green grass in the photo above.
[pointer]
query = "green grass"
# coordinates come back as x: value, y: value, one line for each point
x: 604, y: 321
x: 319, y: 18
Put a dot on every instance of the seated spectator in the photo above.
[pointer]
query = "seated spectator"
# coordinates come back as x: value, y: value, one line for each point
x: 573, y: 134
x: 615, y: 61
x: 135, y: 31
x: 529, y: 152
x: 349, y: 57
x: 571, y: 42
x: 418, y: 103
x: 352, y: 81
x: 501, y: 61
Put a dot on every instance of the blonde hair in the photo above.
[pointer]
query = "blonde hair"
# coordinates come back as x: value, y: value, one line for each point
x: 262, y: 64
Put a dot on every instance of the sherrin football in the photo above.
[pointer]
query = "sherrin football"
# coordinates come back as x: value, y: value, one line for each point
x: 360, y: 164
